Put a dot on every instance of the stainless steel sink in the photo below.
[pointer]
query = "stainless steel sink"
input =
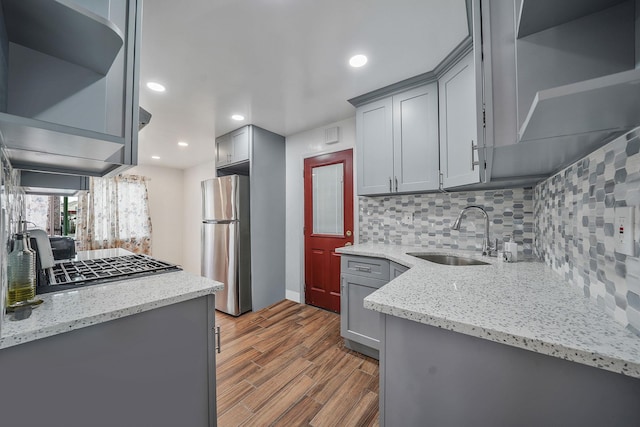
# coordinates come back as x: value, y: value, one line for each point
x: 447, y: 259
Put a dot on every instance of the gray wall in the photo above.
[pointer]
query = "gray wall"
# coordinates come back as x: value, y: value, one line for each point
x: 574, y: 214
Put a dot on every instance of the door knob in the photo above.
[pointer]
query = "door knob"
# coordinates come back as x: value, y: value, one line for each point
x: 348, y: 233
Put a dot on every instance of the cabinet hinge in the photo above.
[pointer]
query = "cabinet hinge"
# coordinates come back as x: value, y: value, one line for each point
x: 484, y: 118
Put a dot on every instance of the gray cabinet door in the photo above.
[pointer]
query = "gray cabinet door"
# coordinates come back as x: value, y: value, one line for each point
x: 240, y: 145
x: 224, y: 150
x: 374, y: 147
x: 458, y: 125
x: 415, y: 137
x: 396, y: 270
x: 356, y: 322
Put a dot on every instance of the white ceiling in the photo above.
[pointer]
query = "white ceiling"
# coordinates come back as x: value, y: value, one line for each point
x: 283, y: 64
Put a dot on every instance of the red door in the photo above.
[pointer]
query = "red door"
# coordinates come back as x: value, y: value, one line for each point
x: 328, y: 224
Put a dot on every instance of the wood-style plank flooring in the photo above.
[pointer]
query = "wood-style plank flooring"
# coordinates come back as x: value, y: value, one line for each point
x: 286, y: 365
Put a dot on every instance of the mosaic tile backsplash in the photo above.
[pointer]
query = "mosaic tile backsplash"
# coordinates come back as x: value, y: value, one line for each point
x: 384, y: 219
x: 574, y: 226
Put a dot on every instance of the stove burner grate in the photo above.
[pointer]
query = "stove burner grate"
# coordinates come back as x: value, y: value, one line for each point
x: 68, y: 275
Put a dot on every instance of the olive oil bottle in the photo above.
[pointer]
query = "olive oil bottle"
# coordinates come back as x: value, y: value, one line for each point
x: 21, y: 271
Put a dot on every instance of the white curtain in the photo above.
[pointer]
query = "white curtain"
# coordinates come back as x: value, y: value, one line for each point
x: 43, y: 212
x: 114, y: 213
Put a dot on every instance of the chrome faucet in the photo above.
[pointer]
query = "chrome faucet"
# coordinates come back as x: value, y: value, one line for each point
x: 487, y: 248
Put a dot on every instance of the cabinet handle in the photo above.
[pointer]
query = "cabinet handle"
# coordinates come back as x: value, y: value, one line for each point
x: 396, y: 178
x: 217, y: 333
x: 364, y: 269
x: 390, y: 185
x: 474, y: 164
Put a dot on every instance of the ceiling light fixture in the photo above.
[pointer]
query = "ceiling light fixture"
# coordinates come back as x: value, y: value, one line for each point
x: 156, y: 87
x: 237, y: 117
x: 183, y: 144
x: 155, y: 157
x: 357, y: 61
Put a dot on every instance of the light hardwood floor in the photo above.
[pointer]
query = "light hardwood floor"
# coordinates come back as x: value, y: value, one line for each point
x: 286, y: 365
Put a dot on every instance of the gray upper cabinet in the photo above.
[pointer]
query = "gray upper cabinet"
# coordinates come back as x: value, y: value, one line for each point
x: 240, y: 145
x: 69, y: 84
x: 233, y: 147
x: 415, y: 136
x: 224, y: 150
x: 397, y: 142
x: 458, y: 125
x: 374, y: 141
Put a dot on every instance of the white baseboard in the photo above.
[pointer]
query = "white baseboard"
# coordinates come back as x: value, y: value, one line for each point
x: 292, y: 295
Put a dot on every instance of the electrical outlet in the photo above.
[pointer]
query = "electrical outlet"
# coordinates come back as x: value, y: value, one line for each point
x: 407, y: 218
x: 624, y: 230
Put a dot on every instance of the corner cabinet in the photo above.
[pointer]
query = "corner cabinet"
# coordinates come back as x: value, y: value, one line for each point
x: 360, y: 276
x: 459, y: 164
x: 397, y: 142
x: 69, y: 84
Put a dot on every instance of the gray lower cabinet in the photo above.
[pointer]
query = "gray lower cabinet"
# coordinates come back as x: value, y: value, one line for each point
x: 360, y: 276
x: 433, y: 377
x: 155, y: 368
x: 396, y: 269
x: 358, y: 326
x: 397, y: 142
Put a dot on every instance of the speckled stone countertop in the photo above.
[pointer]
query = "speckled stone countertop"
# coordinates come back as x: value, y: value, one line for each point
x: 68, y: 310
x: 523, y: 304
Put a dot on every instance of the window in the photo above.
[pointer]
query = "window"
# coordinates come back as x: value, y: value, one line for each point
x: 114, y: 213
x: 56, y: 215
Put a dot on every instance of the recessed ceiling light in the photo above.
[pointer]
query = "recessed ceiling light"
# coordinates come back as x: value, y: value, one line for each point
x: 237, y: 117
x: 183, y: 144
x: 357, y: 61
x: 155, y: 157
x: 157, y: 87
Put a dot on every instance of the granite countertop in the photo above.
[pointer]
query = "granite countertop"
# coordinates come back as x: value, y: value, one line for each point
x: 74, y: 309
x: 523, y: 304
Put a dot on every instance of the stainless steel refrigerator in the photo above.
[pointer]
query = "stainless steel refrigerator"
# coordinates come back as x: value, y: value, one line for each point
x: 226, y: 242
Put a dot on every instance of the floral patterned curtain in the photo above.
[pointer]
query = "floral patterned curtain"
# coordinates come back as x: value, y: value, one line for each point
x: 43, y: 212
x: 114, y: 213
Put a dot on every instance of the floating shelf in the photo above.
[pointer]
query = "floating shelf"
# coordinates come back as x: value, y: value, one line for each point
x: 64, y: 30
x: 32, y: 143
x: 545, y: 157
x: 594, y: 107
x: 539, y: 15
x: 52, y: 184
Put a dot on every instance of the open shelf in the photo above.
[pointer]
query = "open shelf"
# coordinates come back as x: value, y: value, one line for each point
x: 539, y: 15
x: 591, y: 108
x: 64, y: 30
x: 32, y: 143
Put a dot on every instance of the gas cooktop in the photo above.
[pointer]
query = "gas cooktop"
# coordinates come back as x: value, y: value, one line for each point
x: 73, y: 274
